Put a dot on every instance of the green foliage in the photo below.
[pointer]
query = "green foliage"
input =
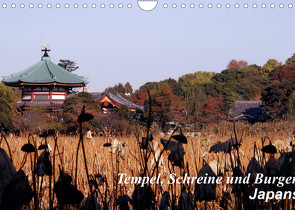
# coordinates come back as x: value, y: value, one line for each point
x: 244, y: 84
x: 276, y: 98
x: 193, y: 88
x: 8, y: 107
x: 149, y: 86
x: 197, y: 78
x: 175, y: 86
x: 123, y: 90
x: 124, y: 113
x: 270, y: 65
x: 228, y: 98
x: 83, y: 98
x: 56, y: 125
x: 172, y: 83
x: 128, y: 88
x: 228, y: 76
x: 118, y: 88
x: 68, y: 65
x: 72, y: 107
x: 291, y: 60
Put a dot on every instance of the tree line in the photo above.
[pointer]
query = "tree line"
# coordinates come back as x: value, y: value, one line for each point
x: 196, y: 98
x: 206, y: 97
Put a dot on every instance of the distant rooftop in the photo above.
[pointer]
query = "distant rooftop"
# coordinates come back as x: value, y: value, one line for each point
x: 117, y: 98
x: 114, y: 96
x: 248, y: 109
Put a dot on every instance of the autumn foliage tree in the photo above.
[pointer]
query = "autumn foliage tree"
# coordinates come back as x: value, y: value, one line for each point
x: 235, y: 64
x: 140, y: 97
x: 212, y: 110
x: 279, y: 96
x: 285, y: 74
x: 166, y: 106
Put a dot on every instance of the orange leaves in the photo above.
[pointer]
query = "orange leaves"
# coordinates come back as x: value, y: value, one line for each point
x: 167, y: 106
x: 235, y: 64
x: 285, y: 74
x: 212, y: 110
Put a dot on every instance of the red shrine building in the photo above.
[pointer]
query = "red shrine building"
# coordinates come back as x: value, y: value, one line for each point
x: 110, y: 100
x: 44, y: 84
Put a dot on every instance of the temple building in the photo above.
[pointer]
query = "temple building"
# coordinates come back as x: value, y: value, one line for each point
x: 249, y: 111
x: 44, y: 84
x: 110, y: 100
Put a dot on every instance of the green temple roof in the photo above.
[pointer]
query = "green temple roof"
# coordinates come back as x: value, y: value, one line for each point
x: 44, y: 72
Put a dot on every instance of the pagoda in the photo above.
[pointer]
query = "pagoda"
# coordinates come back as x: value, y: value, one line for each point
x: 44, y: 84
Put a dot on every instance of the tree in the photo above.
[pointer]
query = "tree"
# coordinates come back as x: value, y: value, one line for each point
x: 228, y: 76
x: 149, y: 86
x: 108, y: 123
x: 285, y: 74
x: 124, y: 114
x: 72, y: 107
x: 255, y: 93
x: 244, y: 84
x: 175, y: 86
x: 197, y: 78
x: 228, y: 99
x: 252, y: 83
x: 212, y: 111
x: 8, y: 107
x: 140, y: 97
x: 124, y: 90
x: 68, y: 65
x: 235, y: 64
x: 276, y: 98
x: 194, y: 91
x: 291, y: 60
x: 34, y: 120
x: 118, y: 88
x: 166, y: 106
x: 270, y: 65
x: 176, y: 89
x: 128, y: 88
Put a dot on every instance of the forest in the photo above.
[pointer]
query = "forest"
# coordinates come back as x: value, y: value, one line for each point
x: 206, y: 97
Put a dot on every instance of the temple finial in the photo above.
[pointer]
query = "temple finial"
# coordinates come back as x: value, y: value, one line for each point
x: 45, y: 50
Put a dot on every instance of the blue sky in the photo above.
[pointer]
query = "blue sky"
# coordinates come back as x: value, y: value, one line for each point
x: 120, y: 45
